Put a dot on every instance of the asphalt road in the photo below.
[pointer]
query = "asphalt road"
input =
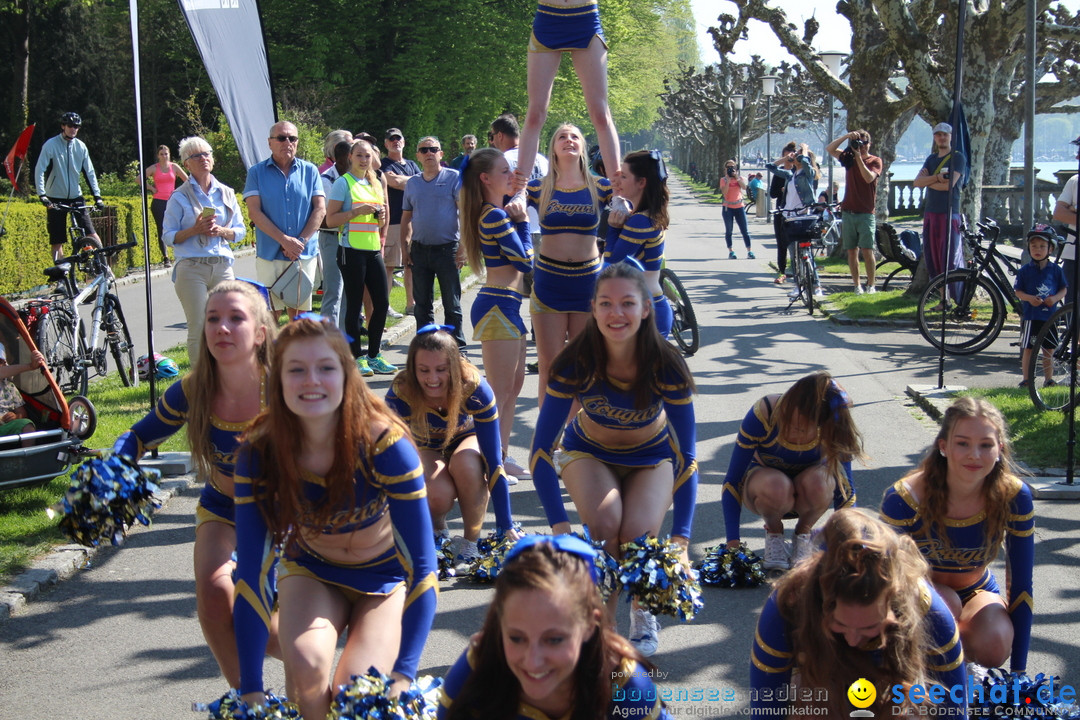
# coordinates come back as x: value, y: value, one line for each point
x: 121, y: 640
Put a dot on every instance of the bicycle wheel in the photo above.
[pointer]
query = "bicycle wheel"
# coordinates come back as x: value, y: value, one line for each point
x: 64, y: 347
x: 804, y: 276
x: 119, y: 340
x: 1056, y: 338
x: 974, y: 313
x: 684, y: 327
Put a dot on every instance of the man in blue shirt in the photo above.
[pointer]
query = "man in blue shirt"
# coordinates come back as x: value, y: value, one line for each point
x: 286, y: 202
x: 941, y: 233
x: 63, y: 159
x: 429, y: 232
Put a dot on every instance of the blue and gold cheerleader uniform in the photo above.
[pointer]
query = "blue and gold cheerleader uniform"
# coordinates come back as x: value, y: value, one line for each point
x: 633, y: 694
x: 561, y: 27
x: 168, y: 417
x: 610, y: 404
x: 760, y: 444
x: 496, y: 311
x: 392, y: 483
x: 479, y: 417
x: 643, y: 240
x: 772, y: 658
x: 964, y: 549
x: 560, y: 287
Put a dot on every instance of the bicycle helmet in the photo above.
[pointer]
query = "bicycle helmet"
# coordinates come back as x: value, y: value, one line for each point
x: 164, y: 367
x: 70, y: 118
x: 1047, y: 233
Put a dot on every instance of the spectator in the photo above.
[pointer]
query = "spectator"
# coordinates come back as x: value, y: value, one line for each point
x: 63, y: 158
x: 161, y: 177
x: 934, y: 176
x: 13, y: 416
x: 754, y: 186
x: 732, y: 187
x: 468, y: 144
x: 799, y: 171
x: 858, y: 231
x: 286, y: 203
x: 336, y: 148
x: 429, y: 222
x: 1040, y: 286
x: 505, y: 135
x: 202, y: 218
x: 1065, y: 211
x: 397, y: 171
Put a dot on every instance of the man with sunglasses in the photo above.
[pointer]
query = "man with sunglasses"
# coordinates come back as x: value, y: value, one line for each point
x: 286, y: 203
x: 397, y: 170
x: 429, y: 234
x: 62, y: 160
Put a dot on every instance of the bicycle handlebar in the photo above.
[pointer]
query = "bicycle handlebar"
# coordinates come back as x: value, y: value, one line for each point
x: 75, y: 206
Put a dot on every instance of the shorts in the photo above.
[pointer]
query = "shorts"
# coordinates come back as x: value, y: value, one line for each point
x: 558, y: 28
x: 15, y: 427
x: 858, y: 230
x: 560, y: 287
x: 987, y: 583
x: 843, y: 493
x: 1029, y: 330
x: 496, y: 314
x: 380, y: 576
x: 392, y: 247
x: 267, y: 271
x: 57, y: 223
x: 577, y: 445
x: 214, y: 506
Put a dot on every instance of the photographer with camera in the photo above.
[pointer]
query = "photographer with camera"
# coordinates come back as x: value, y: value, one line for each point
x: 860, y: 224
x: 732, y: 187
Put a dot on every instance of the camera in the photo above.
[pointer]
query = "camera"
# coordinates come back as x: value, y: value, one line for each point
x: 378, y: 212
x: 731, y: 171
x: 855, y: 143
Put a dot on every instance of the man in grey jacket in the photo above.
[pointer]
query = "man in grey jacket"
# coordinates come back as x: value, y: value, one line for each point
x: 63, y: 159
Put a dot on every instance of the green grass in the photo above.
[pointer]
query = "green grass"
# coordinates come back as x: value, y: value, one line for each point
x: 1038, y: 437
x: 26, y: 532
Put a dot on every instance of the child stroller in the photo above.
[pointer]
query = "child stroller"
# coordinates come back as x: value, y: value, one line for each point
x: 61, y: 425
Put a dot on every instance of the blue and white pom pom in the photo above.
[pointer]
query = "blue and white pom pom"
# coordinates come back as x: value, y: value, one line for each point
x: 731, y: 568
x: 1009, y: 694
x: 107, y: 495
x: 652, y: 571
x: 607, y: 567
x: 366, y: 698
x: 492, y: 549
x: 231, y: 707
x: 444, y: 553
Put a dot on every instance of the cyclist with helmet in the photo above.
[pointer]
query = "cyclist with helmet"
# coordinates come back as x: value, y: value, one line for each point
x: 63, y: 158
x: 1041, y: 286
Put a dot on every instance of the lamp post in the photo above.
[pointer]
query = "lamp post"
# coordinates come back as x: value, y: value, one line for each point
x: 738, y: 101
x: 832, y: 62
x: 768, y: 89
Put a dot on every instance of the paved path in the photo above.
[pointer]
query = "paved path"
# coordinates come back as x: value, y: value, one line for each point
x: 120, y: 640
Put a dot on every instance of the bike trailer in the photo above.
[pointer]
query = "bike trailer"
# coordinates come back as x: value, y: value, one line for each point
x: 57, y: 441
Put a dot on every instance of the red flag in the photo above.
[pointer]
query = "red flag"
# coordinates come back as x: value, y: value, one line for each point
x: 18, y: 152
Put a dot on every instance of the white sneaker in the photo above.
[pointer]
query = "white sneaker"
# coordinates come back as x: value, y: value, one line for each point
x: 465, y: 553
x: 818, y: 292
x: 394, y: 314
x: 510, y: 479
x: 513, y: 467
x: 794, y: 293
x: 858, y: 290
x: 443, y: 534
x: 776, y: 552
x: 801, y: 548
x: 644, y: 631
x: 871, y: 290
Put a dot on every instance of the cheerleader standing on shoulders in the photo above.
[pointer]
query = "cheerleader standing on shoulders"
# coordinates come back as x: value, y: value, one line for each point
x: 497, y: 243
x: 639, y: 234
x: 545, y: 651
x: 328, y: 473
x: 452, y: 413
x: 959, y: 505
x: 225, y: 389
x: 636, y: 419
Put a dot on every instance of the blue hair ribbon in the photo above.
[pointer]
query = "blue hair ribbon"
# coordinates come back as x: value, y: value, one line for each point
x: 838, y: 398
x: 571, y: 544
x: 432, y: 327
x: 316, y: 317
x: 632, y: 262
x: 661, y: 168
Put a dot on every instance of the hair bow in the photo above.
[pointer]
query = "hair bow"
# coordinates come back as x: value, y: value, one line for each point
x: 316, y: 317
x: 661, y: 168
x: 563, y: 543
x: 838, y: 398
x: 432, y: 327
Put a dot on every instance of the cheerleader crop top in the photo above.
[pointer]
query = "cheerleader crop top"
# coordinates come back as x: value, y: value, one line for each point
x: 638, y: 238
x: 570, y: 210
x: 478, y: 416
x: 503, y: 242
x: 759, y: 440
x: 394, y: 483
x: 964, y: 549
x: 610, y: 404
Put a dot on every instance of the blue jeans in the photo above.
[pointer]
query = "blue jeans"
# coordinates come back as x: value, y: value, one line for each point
x: 736, y: 215
x: 331, y: 277
x: 431, y: 262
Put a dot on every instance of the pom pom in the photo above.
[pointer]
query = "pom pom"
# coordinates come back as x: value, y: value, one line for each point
x: 731, y: 568
x: 231, y: 707
x: 1009, y: 694
x: 445, y: 555
x: 492, y: 549
x: 607, y: 567
x: 652, y: 571
x: 107, y: 494
x: 365, y: 698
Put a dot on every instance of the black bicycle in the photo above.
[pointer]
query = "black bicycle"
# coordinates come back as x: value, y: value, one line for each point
x: 810, y: 230
x: 684, y: 326
x: 978, y: 297
x: 1052, y: 356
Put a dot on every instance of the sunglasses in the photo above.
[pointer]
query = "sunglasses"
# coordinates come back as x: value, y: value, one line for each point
x: 285, y: 138
x: 199, y: 156
x: 426, y: 150
x: 395, y: 138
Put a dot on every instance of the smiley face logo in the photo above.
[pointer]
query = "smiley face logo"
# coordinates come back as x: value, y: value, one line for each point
x: 862, y: 693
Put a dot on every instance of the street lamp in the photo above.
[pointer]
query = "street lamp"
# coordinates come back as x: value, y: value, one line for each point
x: 768, y: 89
x: 737, y: 101
x: 832, y: 62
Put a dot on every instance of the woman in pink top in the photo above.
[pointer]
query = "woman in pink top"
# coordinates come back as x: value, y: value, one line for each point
x: 161, y: 177
x: 732, y: 187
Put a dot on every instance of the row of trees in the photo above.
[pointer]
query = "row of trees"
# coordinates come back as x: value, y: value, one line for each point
x: 901, y: 65
x: 442, y: 67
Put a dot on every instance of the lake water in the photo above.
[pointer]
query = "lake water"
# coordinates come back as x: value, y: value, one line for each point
x: 1046, y: 170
